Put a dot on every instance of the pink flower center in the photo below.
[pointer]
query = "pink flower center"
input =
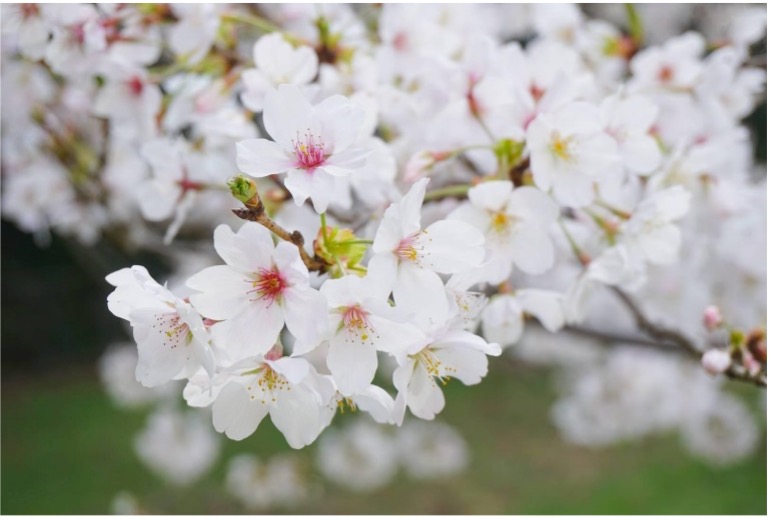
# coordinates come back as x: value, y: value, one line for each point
x: 356, y: 320
x: 665, y: 74
x: 78, y: 34
x: 269, y: 285
x: 310, y: 152
x: 29, y: 10
x: 410, y: 248
x: 176, y: 331
x: 135, y: 86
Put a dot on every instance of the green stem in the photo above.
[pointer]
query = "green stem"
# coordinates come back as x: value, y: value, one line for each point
x: 581, y: 256
x: 448, y: 191
x: 357, y: 242
x: 250, y: 19
x: 635, y: 26
x: 485, y: 128
x: 323, y: 229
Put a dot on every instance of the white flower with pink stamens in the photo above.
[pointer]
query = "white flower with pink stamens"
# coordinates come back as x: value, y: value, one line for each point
x: 261, y: 287
x: 447, y: 352
x: 313, y: 145
x: 362, y: 323
x: 169, y: 333
x: 288, y: 389
x: 409, y: 257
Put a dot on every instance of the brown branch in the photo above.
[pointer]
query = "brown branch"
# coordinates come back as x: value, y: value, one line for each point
x: 621, y: 338
x: 254, y: 211
x: 656, y: 331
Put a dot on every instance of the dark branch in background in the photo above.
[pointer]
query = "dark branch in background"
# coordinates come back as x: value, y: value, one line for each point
x: 664, y: 334
x: 621, y: 338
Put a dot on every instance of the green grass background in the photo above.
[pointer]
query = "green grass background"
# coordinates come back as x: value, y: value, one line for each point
x: 65, y: 449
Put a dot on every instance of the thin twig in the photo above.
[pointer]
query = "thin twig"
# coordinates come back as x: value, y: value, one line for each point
x: 254, y: 211
x: 662, y: 333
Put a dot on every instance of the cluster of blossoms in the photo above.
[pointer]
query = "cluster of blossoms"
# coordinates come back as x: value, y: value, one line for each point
x: 181, y: 448
x: 417, y: 182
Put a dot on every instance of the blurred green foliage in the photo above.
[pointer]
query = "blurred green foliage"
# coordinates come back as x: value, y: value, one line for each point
x: 65, y: 449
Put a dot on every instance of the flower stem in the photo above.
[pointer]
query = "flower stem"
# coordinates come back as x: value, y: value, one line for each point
x: 254, y: 211
x: 324, y: 232
x: 582, y: 257
x: 458, y: 191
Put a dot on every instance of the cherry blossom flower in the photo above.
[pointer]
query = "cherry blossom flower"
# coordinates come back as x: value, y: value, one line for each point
x: 448, y: 352
x: 261, y: 287
x: 191, y: 37
x: 277, y: 63
x: 31, y: 28
x: 503, y: 318
x: 629, y: 120
x: 288, y: 389
x: 179, y: 174
x: 569, y: 152
x: 313, y: 144
x: 169, y: 333
x: 362, y: 324
x: 180, y: 447
x: 515, y: 225
x: 716, y: 361
x: 409, y: 257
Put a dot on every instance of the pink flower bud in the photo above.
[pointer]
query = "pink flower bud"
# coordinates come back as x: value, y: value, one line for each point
x: 751, y: 364
x: 712, y: 317
x: 419, y: 164
x: 716, y: 361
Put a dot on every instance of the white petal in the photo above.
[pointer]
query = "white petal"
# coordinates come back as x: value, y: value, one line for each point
x: 547, y: 306
x: 235, y: 413
x: 531, y: 249
x: 287, y: 112
x: 260, y: 157
x: 248, y: 250
x: 223, y: 292
x: 424, y: 398
x: 533, y: 204
x: 306, y: 315
x: 351, y: 363
x: 297, y: 414
x: 492, y: 196
x: 450, y: 246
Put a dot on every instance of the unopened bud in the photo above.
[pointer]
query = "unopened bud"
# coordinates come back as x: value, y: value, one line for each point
x: 712, y: 317
x: 341, y: 249
x: 751, y: 364
x: 756, y: 343
x: 243, y: 189
x: 421, y: 163
x: 716, y: 361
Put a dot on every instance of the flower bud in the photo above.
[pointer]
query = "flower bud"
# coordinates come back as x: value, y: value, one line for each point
x: 751, y: 364
x: 242, y: 188
x: 340, y: 249
x: 756, y: 343
x: 421, y: 163
x: 716, y: 361
x: 712, y: 317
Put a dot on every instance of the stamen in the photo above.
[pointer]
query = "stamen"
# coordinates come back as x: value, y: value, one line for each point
x: 561, y: 147
x: 175, y: 330
x: 355, y: 320
x: 433, y: 366
x: 268, y: 285
x: 310, y: 152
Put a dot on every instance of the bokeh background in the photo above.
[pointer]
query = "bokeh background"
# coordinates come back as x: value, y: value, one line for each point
x: 67, y: 449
